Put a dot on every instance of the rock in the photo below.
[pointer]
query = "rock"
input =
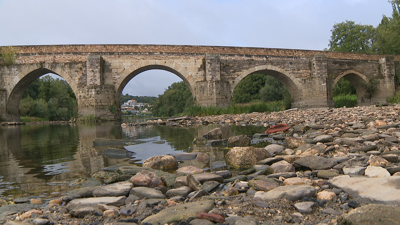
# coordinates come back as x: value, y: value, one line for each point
x: 376, y: 171
x: 274, y: 148
x: 203, y: 177
x: 180, y: 191
x: 115, y: 189
x: 145, y: 192
x: 269, y: 161
x: 203, y: 157
x: 264, y: 185
x: 291, y: 192
x: 296, y: 181
x: 193, y: 183
x: 81, y: 212
x: 241, y: 140
x: 282, y: 166
x: 327, y: 174
x: 180, y: 212
x: 378, y: 161
x: 292, y: 143
x: 161, y: 162
x: 212, y: 217
x: 326, y: 195
x: 354, y: 171
x: 331, y: 211
x: 201, y: 222
x: 82, y: 202
x: 224, y: 174
x: 304, y: 207
x: 184, y: 156
x: 323, y: 138
x: 213, y: 134
x: 146, y: 178
x: 209, y: 186
x: 189, y: 169
x: 315, y: 162
x: 373, y: 214
x: 200, y: 141
x: 41, y: 221
x: 245, y: 157
x: 393, y: 158
x: 379, y: 190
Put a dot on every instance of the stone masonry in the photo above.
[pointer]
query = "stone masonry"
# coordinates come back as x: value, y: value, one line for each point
x: 98, y: 73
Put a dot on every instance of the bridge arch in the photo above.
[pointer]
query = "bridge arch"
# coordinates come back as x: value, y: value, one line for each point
x: 287, y: 79
x: 356, y: 79
x: 23, y: 79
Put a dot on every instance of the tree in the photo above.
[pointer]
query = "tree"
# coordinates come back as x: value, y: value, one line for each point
x: 248, y: 89
x: 388, y: 32
x: 351, y: 37
x: 273, y: 90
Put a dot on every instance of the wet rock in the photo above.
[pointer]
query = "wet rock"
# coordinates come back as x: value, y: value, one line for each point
x: 291, y: 142
x: 180, y: 212
x: 315, y: 162
x: 184, y: 156
x: 245, y: 157
x: 145, y: 192
x: 161, y: 162
x: 203, y: 157
x: 291, y: 192
x: 213, y: 134
x: 146, y: 178
x: 116, y: 189
x: 240, y: 141
x: 373, y: 214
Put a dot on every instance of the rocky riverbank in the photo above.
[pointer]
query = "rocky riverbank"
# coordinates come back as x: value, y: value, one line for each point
x: 336, y: 166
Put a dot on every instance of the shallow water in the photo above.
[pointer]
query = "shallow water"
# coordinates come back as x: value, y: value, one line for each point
x: 41, y: 159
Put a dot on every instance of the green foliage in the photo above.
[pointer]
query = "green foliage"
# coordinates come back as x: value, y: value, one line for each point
x: 8, y: 55
x: 248, y: 89
x: 344, y: 87
x: 345, y: 100
x: 173, y: 101
x: 273, y: 90
x: 142, y: 99
x: 351, y: 37
x: 395, y: 98
x: 49, y: 98
x: 388, y: 32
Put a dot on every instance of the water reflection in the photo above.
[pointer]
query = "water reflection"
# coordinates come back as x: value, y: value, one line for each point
x: 44, y: 158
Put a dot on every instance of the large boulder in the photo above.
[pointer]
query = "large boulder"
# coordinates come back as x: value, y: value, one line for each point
x: 161, y: 162
x: 146, y: 178
x: 373, y: 214
x: 241, y: 141
x: 245, y: 157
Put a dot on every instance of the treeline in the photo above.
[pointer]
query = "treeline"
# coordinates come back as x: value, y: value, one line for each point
x: 50, y: 99
x: 255, y: 88
x: 142, y: 99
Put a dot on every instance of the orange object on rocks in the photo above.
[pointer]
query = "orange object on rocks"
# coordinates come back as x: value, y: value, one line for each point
x: 277, y: 128
x: 212, y: 217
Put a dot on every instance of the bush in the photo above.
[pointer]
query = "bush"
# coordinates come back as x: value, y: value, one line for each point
x: 395, y: 98
x: 8, y: 55
x: 345, y: 100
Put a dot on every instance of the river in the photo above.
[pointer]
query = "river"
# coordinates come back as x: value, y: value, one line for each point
x: 40, y: 159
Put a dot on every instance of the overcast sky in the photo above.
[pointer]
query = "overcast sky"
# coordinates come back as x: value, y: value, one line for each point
x: 292, y: 24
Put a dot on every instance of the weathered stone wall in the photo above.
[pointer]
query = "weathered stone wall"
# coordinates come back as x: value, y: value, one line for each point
x: 98, y: 73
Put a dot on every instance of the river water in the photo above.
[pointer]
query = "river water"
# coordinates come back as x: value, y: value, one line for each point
x: 39, y: 159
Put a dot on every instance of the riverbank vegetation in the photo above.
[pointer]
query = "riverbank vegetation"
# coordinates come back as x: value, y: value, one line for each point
x: 49, y: 99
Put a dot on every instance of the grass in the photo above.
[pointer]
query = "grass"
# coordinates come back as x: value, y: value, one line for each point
x: 345, y: 100
x: 395, y: 98
x: 87, y: 119
x: 237, y: 109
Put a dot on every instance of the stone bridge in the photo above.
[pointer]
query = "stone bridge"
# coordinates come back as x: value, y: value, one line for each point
x: 98, y: 73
